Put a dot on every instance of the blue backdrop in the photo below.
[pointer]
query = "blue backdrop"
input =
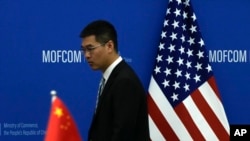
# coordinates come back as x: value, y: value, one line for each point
x: 40, y: 45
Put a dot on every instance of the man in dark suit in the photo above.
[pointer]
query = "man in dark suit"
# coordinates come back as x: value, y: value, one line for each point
x: 121, y: 111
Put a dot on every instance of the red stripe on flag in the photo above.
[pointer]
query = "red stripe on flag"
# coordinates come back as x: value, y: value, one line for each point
x: 160, y: 121
x: 212, y: 83
x: 209, y: 115
x: 188, y: 122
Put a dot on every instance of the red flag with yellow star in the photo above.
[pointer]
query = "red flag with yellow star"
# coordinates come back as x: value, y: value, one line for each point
x: 61, y: 126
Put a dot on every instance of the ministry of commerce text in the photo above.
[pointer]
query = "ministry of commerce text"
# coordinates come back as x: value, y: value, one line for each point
x: 61, y: 56
x: 228, y: 56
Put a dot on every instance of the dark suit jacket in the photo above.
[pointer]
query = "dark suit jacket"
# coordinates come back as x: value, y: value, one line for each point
x: 121, y: 114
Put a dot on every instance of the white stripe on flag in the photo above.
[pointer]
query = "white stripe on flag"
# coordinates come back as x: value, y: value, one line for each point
x: 215, y: 104
x: 199, y: 120
x: 167, y: 111
x: 155, y: 134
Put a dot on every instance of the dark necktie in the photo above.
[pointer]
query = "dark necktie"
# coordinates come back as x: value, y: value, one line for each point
x: 101, y: 86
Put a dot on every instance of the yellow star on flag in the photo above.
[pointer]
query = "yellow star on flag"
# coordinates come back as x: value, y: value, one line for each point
x: 58, y: 112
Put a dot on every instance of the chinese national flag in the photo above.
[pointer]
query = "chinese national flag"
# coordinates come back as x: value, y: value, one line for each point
x: 61, y: 126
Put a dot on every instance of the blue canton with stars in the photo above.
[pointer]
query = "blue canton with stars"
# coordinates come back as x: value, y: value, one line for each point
x: 182, y: 62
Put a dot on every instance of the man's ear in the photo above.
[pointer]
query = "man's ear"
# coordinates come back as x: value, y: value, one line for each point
x: 110, y: 45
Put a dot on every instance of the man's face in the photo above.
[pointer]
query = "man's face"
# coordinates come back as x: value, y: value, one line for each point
x: 94, y: 52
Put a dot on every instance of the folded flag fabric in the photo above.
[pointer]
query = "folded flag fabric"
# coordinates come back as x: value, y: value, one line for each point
x: 61, y: 125
x: 184, y: 102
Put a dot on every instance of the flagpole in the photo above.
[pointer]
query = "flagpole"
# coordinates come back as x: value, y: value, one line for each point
x: 53, y: 94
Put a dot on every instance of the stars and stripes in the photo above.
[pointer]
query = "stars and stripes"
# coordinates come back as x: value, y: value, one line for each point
x: 184, y: 103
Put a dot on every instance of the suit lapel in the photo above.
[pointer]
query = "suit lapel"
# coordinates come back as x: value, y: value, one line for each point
x: 108, y: 84
x: 106, y: 89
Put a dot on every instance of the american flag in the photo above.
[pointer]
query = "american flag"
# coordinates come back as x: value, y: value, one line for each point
x: 183, y: 101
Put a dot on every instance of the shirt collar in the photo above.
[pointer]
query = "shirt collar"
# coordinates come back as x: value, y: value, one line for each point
x: 108, y: 71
